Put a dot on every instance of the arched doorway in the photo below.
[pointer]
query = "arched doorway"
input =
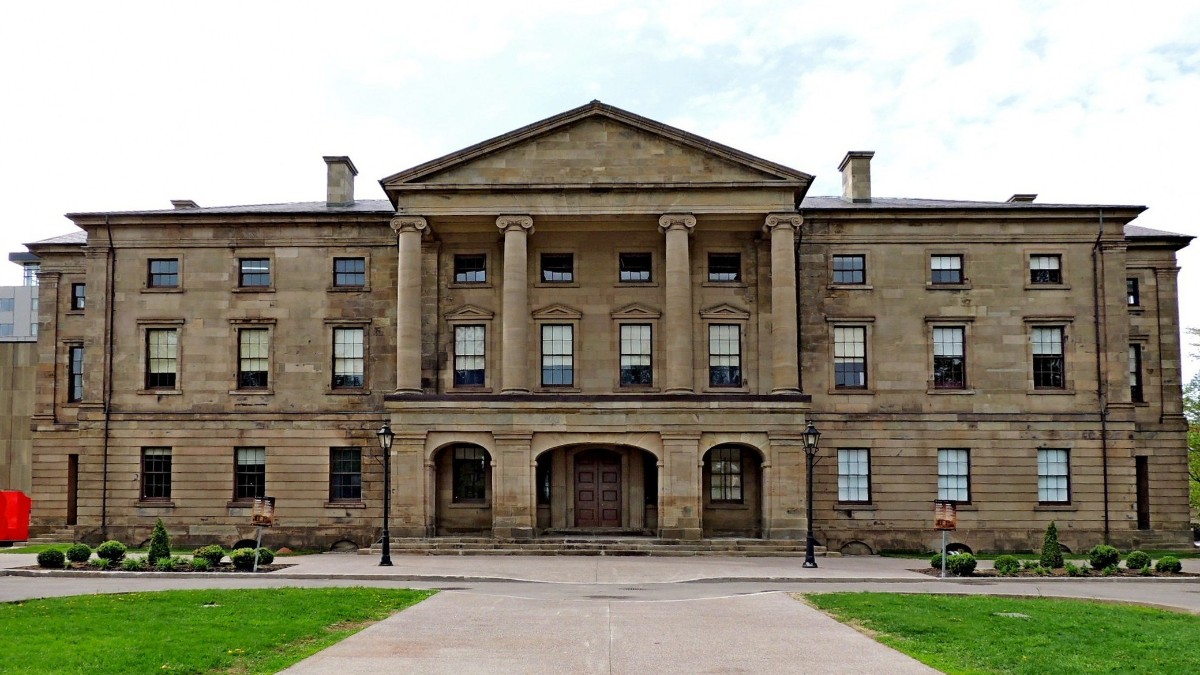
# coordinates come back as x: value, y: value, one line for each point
x: 732, y: 491
x: 463, y: 495
x: 591, y: 487
x: 598, y: 489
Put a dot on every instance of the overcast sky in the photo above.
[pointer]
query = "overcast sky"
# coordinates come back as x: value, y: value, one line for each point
x: 121, y: 105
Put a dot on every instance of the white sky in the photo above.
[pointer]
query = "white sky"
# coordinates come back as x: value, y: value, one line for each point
x: 123, y: 105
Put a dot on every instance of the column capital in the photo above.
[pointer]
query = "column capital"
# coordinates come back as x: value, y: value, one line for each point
x: 780, y: 220
x: 409, y: 224
x: 505, y: 223
x: 676, y: 221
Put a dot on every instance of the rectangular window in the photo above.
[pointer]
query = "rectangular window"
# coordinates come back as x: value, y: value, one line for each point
x: 31, y: 271
x: 1045, y: 269
x: 558, y: 267
x: 849, y: 269
x: 254, y: 354
x: 156, y: 474
x: 849, y: 357
x: 724, y: 266
x: 558, y: 355
x: 470, y: 269
x: 724, y: 355
x: 1134, y: 293
x: 162, y: 358
x: 946, y: 269
x: 949, y: 358
x: 1048, y: 370
x: 8, y: 304
x: 249, y: 473
x: 163, y: 273
x: 6, y: 329
x: 1135, y: 373
x: 954, y: 475
x: 543, y: 478
x: 726, y: 475
x: 75, y: 373
x: 349, y: 272
x: 345, y: 475
x: 854, y: 475
x: 470, y: 474
x: 78, y: 296
x: 1054, y: 476
x: 254, y: 272
x: 348, y: 358
x: 635, y: 267
x: 469, y: 358
x: 635, y: 356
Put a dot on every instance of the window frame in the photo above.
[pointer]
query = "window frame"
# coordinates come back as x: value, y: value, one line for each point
x: 1045, y: 276
x: 648, y: 355
x: 545, y: 272
x: 162, y: 477
x: 459, y: 466
x: 1043, y: 463
x: 711, y: 270
x: 846, y: 490
x: 569, y: 356
x: 242, y: 358
x: 1137, y: 388
x: 458, y: 262
x: 948, y: 384
x: 260, y: 473
x: 342, y: 279
x: 737, y: 356
x: 78, y: 297
x: 337, y: 477
x: 460, y: 383
x: 243, y: 273
x: 834, y: 271
x: 1133, y: 291
x: 361, y: 358
x: 729, y: 488
x: 75, y: 368
x: 1039, y: 373
x: 934, y: 271
x: 624, y: 264
x: 849, y: 358
x: 157, y: 280
x: 966, y: 477
x: 149, y: 359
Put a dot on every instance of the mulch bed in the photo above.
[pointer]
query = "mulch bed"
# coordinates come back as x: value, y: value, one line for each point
x: 1030, y: 574
x: 223, y: 568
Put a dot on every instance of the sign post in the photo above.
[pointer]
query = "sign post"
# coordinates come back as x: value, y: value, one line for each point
x: 262, y: 516
x: 945, y: 518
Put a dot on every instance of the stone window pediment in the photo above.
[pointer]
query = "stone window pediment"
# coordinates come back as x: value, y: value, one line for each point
x: 725, y: 311
x: 470, y: 313
x: 636, y: 310
x: 557, y: 311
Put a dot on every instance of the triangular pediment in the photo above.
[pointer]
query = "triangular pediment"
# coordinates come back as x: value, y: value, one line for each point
x: 557, y: 311
x: 725, y: 311
x: 636, y: 310
x: 469, y: 312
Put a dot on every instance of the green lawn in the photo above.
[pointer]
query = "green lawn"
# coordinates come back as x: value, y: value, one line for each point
x: 244, y: 631
x: 982, y: 634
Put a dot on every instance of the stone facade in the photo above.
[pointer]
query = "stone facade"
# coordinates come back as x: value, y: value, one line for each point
x: 598, y: 323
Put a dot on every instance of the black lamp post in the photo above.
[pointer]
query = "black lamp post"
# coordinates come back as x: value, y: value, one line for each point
x: 811, y: 437
x: 386, y: 436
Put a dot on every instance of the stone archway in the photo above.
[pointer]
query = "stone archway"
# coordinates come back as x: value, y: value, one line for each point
x: 732, y: 485
x: 598, y: 483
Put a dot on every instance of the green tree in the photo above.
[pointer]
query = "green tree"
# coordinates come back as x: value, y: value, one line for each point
x: 1191, y: 409
x: 160, y: 545
x: 1052, y: 556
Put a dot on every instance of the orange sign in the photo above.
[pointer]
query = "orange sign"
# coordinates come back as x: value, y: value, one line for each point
x: 945, y: 516
x: 264, y: 512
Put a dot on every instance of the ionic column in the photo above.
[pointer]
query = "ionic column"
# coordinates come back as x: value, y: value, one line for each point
x: 677, y: 314
x: 408, y: 303
x: 514, y: 320
x: 786, y: 369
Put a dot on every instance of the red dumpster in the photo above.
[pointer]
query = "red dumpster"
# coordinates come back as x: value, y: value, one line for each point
x: 14, y: 515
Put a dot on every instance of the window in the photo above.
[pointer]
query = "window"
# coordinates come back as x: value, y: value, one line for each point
x: 724, y: 266
x: 726, y: 475
x: 1048, y: 358
x: 156, y: 474
x: 1135, y: 374
x: 558, y: 355
x: 1045, y: 269
x: 470, y: 269
x: 635, y: 267
x: 347, y: 358
x: 954, y: 475
x: 345, y: 475
x: 249, y: 473
x: 163, y: 273
x: 854, y: 475
x: 1134, y: 293
x: 1054, y: 476
x: 162, y: 358
x: 469, y: 357
x: 7, y: 304
x: 6, y: 329
x: 724, y: 355
x: 254, y: 348
x: 31, y: 271
x: 849, y: 269
x: 635, y: 355
x: 850, y: 357
x: 946, y: 269
x: 543, y: 479
x: 349, y: 272
x: 470, y: 474
x: 75, y: 373
x: 254, y: 272
x: 78, y: 296
x: 949, y: 361
x: 558, y: 267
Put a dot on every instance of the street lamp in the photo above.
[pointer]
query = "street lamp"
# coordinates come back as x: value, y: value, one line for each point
x: 811, y: 437
x: 386, y: 436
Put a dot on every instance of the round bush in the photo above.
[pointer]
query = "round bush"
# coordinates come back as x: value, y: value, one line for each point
x: 242, y: 559
x: 961, y: 564
x: 79, y: 553
x: 213, y: 553
x: 1007, y: 564
x: 133, y: 564
x: 936, y: 561
x: 1168, y: 563
x: 52, y: 559
x: 111, y: 551
x: 1136, y: 560
x: 265, y: 556
x: 201, y: 564
x: 1103, y: 556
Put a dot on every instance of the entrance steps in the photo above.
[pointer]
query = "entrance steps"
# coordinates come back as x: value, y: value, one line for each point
x: 64, y: 535
x: 595, y: 546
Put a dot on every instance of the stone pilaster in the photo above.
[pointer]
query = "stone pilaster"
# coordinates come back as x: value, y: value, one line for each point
x: 677, y: 314
x: 408, y: 303
x: 784, y: 365
x: 408, y: 517
x: 785, y: 511
x: 1166, y: 295
x: 680, y: 506
x: 513, y: 512
x: 514, y: 320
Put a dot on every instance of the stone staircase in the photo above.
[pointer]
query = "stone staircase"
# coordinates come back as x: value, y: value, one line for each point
x: 595, y: 546
x: 64, y: 535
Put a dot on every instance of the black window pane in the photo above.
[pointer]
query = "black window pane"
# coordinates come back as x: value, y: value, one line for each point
x: 949, y: 372
x: 78, y: 296
x: 470, y: 269
x: 850, y: 374
x: 724, y: 267
x: 635, y: 267
x: 725, y: 376
x: 470, y: 472
x: 1131, y: 287
x: 164, y: 273
x: 558, y: 267
x: 1048, y: 372
x: 849, y: 269
x: 254, y: 272
x: 345, y: 474
x: 349, y: 272
x: 156, y: 473
x: 250, y: 473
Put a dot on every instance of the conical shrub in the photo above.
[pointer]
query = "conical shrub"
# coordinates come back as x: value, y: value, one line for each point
x: 1052, y: 556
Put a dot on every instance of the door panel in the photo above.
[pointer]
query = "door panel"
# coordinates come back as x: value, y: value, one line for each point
x: 597, y: 489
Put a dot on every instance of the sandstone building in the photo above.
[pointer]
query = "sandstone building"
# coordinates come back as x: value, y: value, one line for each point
x: 600, y: 323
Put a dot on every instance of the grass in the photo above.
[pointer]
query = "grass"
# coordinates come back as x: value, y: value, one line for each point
x: 244, y: 631
x: 971, y: 634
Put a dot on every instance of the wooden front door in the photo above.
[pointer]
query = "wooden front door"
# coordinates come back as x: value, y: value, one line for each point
x: 597, y: 489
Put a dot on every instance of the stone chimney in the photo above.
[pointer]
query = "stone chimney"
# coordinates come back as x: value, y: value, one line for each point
x: 1022, y: 198
x: 184, y: 204
x: 340, y: 181
x: 856, y: 175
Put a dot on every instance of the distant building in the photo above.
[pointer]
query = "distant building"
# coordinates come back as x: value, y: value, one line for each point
x: 18, y: 357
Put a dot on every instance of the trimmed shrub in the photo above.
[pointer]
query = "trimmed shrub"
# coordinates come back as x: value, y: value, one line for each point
x: 102, y: 564
x: 79, y: 553
x: 1169, y: 563
x: 201, y: 565
x: 1051, y: 550
x: 1007, y: 565
x: 51, y: 558
x: 242, y: 559
x: 961, y: 564
x: 936, y: 561
x: 1074, y: 570
x: 1136, y: 560
x: 160, y: 543
x: 213, y: 553
x: 1111, y: 570
x: 111, y: 551
x: 1102, y: 556
x: 133, y: 564
x: 265, y: 556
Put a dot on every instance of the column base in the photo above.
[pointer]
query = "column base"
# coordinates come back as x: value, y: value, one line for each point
x: 514, y: 391
x: 786, y: 390
x: 407, y: 392
x: 679, y: 390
